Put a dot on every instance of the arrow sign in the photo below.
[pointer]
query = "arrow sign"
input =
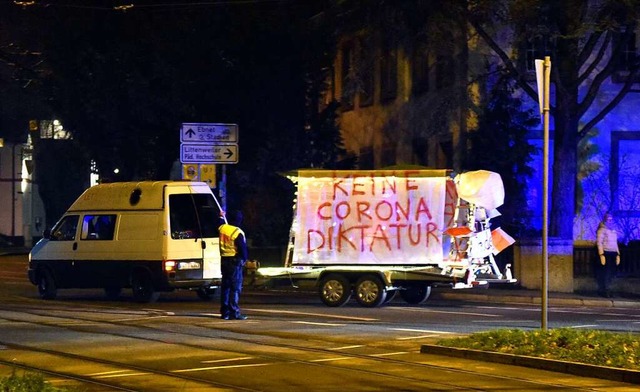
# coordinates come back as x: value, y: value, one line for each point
x: 208, y: 153
x: 209, y: 133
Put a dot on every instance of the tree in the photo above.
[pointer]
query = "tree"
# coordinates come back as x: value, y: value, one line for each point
x: 585, y: 39
x: 500, y: 144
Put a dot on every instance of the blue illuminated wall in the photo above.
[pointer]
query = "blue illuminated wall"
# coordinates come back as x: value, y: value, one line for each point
x: 615, y: 185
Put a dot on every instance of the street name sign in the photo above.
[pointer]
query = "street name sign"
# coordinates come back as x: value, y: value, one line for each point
x: 209, y: 133
x: 208, y: 153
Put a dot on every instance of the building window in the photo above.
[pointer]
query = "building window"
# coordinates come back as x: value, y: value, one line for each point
x: 366, y: 71
x: 388, y: 72
x: 388, y: 157
x: 420, y: 71
x: 348, y: 76
x: 445, y: 72
x: 625, y: 172
x: 626, y: 59
x: 536, y: 49
x: 365, y: 158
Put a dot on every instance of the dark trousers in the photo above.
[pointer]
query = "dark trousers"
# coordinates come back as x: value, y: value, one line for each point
x: 605, y: 273
x: 231, y: 286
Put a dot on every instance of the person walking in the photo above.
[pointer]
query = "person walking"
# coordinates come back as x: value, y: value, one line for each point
x: 608, y: 253
x: 233, y: 251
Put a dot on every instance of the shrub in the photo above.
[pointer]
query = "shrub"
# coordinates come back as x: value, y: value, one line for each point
x: 28, y: 382
x: 621, y: 350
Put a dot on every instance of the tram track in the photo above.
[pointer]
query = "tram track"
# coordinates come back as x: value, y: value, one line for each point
x: 143, y: 328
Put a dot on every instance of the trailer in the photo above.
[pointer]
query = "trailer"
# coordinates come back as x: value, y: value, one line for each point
x: 378, y: 233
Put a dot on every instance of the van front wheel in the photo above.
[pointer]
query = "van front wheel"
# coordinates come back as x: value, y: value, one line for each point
x: 142, y: 288
x: 46, y: 285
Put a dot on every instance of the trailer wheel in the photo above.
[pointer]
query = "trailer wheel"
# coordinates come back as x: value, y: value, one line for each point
x: 142, y: 287
x: 335, y: 290
x: 47, y: 285
x: 370, y: 291
x: 390, y: 296
x: 416, y: 294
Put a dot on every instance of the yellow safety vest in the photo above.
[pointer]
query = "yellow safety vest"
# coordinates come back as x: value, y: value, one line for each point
x: 228, y: 235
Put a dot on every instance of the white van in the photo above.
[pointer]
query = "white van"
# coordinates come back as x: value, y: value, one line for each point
x: 150, y: 236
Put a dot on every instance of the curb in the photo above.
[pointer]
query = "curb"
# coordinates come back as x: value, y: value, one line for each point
x: 574, y: 368
x: 533, y: 300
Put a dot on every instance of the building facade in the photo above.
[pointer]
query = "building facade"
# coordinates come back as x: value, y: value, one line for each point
x: 413, y: 103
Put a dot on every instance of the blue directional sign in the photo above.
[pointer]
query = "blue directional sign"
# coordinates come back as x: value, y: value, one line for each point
x: 208, y: 153
x: 209, y: 133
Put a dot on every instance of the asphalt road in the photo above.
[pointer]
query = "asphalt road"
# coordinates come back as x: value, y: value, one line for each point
x: 290, y: 342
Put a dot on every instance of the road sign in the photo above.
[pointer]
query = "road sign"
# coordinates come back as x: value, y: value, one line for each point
x: 208, y: 174
x: 190, y: 172
x: 208, y: 153
x: 208, y: 133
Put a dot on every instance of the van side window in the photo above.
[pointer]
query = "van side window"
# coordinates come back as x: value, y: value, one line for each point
x: 65, y: 230
x: 193, y: 216
x: 98, y: 227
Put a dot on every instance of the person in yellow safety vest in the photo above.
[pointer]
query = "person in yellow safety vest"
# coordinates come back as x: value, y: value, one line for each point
x: 233, y: 251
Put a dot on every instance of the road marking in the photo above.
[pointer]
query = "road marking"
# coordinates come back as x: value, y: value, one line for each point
x: 321, y: 324
x: 502, y: 321
x: 219, y: 367
x: 123, y: 375
x: 138, y: 319
x: 314, y: 314
x: 330, y: 359
x: 584, y: 326
x: 226, y: 360
x: 446, y: 312
x: 347, y: 347
x: 418, y: 337
x: 420, y: 330
x: 105, y: 373
x: 389, y: 354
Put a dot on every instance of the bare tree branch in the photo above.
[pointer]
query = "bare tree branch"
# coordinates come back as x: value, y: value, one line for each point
x: 519, y: 78
x: 597, y: 59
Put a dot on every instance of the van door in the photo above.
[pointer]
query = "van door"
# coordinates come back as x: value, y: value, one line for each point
x: 209, y: 217
x: 194, y: 219
x: 59, y: 253
x: 95, y: 264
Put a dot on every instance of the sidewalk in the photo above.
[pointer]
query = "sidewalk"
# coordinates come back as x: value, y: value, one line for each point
x: 519, y: 295
x: 14, y: 250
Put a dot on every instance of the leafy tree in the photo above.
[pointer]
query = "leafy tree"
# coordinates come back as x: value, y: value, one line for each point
x: 584, y: 39
x: 500, y: 144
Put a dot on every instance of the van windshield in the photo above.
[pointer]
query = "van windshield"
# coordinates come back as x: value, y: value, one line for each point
x: 193, y: 216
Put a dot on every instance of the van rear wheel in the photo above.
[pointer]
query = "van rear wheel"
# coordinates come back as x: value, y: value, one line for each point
x: 46, y: 285
x: 142, y: 288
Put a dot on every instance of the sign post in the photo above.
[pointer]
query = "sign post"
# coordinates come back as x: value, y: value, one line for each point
x: 543, y: 73
x: 202, y: 147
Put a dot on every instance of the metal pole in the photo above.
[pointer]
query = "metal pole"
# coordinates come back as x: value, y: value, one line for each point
x: 545, y: 197
x: 223, y: 188
x: 13, y: 192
